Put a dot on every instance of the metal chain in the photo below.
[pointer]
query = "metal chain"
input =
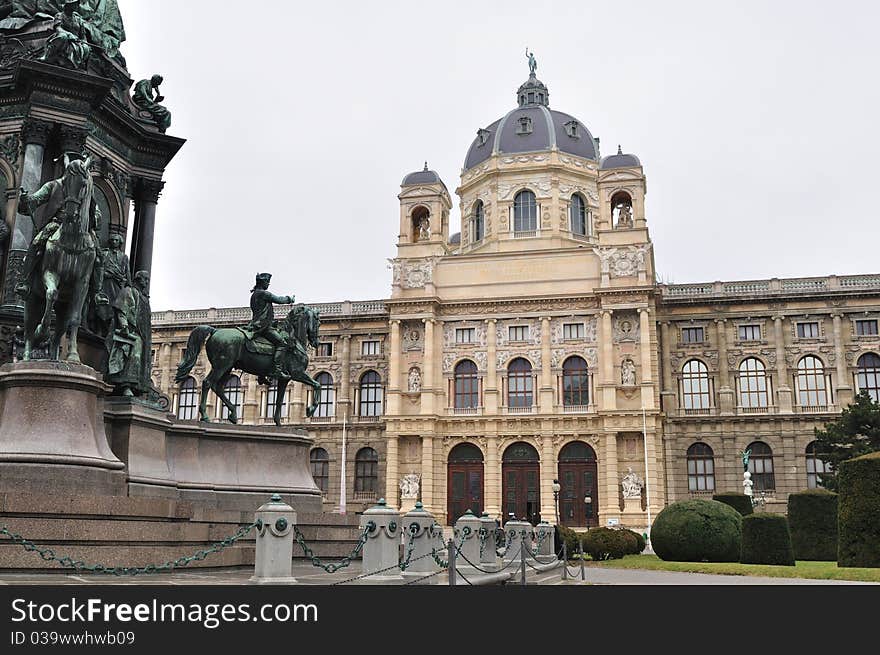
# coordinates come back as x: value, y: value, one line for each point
x: 484, y: 534
x: 49, y: 555
x: 412, y: 544
x: 367, y: 575
x: 345, y: 561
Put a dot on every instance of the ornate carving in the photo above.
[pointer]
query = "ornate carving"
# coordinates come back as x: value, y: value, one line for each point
x: 632, y: 484
x: 409, y: 486
x: 622, y: 261
x: 10, y: 148
x: 628, y: 373
x: 415, y: 380
x: 120, y: 180
x: 501, y: 358
x: 13, y: 50
x: 149, y: 190
x: 448, y: 361
x: 626, y: 328
x: 413, y: 273
x: 482, y: 360
x: 413, y: 336
x: 73, y: 139
x: 36, y: 132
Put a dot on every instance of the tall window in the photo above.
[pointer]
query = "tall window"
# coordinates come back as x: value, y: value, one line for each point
x: 519, y: 383
x: 753, y: 383
x: 478, y: 222
x: 572, y: 331
x: 270, y: 401
x: 575, y: 382
x: 693, y: 335
x: 701, y: 468
x: 188, y: 401
x: 465, y: 335
x: 866, y: 328
x: 467, y: 385
x: 811, y: 382
x: 327, y: 402
x: 695, y: 385
x: 749, y: 332
x: 518, y: 333
x: 815, y: 467
x: 320, y: 461
x: 761, y: 467
x: 366, y: 476
x: 869, y: 375
x: 369, y: 348
x: 525, y: 212
x: 232, y: 390
x: 808, y: 330
x: 371, y: 394
x: 578, y: 215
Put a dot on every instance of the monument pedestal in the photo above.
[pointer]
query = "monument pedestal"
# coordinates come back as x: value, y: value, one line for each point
x: 52, y: 435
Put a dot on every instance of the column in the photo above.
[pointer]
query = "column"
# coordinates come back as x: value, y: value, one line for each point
x: 35, y: 134
x: 165, y: 367
x: 490, y: 391
x: 647, y: 351
x: 428, y: 381
x: 344, y: 401
x: 394, y: 371
x: 843, y: 388
x: 611, y: 501
x: 391, y: 471
x: 492, y: 477
x: 548, y: 473
x: 667, y: 393
x: 428, y: 473
x: 608, y: 384
x: 546, y: 406
x: 783, y: 390
x: 147, y: 199
x: 297, y: 412
x: 726, y: 394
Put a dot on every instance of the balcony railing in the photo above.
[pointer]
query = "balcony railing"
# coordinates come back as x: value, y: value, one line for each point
x: 322, y: 419
x: 465, y: 411
x: 754, y: 410
x: 525, y: 234
x: 703, y: 411
x: 577, y: 409
x: 368, y: 419
x: 814, y: 409
x: 519, y: 410
x: 364, y: 496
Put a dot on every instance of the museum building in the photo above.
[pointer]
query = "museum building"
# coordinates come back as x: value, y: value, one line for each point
x: 537, y: 346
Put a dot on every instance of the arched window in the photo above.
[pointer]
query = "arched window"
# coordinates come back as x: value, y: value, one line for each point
x: 753, y: 384
x: 327, y: 401
x: 695, y: 385
x: 815, y: 467
x: 320, y: 461
x: 366, y: 467
x: 575, y: 382
x: 701, y: 468
x: 869, y: 375
x: 478, y: 222
x: 578, y: 215
x: 370, y: 394
x: 525, y: 212
x: 519, y: 383
x: 467, y: 385
x: 188, y: 401
x: 761, y: 467
x: 811, y: 382
x: 233, y: 392
x: 271, y: 395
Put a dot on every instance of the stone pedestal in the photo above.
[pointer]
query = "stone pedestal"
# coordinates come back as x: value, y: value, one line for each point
x: 52, y: 435
x: 633, y: 515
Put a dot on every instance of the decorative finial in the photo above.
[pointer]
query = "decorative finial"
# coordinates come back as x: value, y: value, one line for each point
x: 619, y: 149
x: 426, y: 167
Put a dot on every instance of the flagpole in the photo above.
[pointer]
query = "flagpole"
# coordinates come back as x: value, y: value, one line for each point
x: 342, y: 492
x: 647, y: 487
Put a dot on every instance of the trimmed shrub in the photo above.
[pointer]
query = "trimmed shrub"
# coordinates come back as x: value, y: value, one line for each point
x: 740, y: 502
x: 812, y: 519
x: 642, y: 543
x: 630, y: 541
x: 605, y: 543
x: 698, y: 531
x: 766, y: 540
x: 571, y: 539
x: 858, y: 519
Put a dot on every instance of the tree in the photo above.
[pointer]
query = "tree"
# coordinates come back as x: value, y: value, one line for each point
x: 854, y: 433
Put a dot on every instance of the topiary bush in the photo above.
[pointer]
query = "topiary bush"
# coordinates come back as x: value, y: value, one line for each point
x: 605, y: 543
x: 571, y: 539
x: 812, y: 519
x: 630, y: 541
x: 740, y: 502
x: 698, y: 531
x: 766, y: 540
x: 858, y: 518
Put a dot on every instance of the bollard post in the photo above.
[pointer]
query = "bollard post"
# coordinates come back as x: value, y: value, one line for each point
x: 546, y: 536
x: 581, y: 552
x: 467, y: 530
x: 273, y: 562
x: 418, y: 543
x: 451, y: 550
x: 515, y: 533
x: 382, y: 548
x: 564, y: 560
x: 488, y: 556
x: 522, y: 558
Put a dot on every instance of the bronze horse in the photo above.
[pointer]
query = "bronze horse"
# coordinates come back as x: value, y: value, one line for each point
x: 226, y: 349
x: 63, y: 280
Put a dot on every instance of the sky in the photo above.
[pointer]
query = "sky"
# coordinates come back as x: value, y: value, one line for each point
x: 755, y: 123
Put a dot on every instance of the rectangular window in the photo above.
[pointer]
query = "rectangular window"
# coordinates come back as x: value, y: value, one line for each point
x: 693, y: 335
x: 369, y: 348
x: 325, y: 349
x: 866, y: 328
x: 808, y: 330
x: 465, y: 335
x: 749, y: 332
x: 572, y: 331
x: 519, y: 333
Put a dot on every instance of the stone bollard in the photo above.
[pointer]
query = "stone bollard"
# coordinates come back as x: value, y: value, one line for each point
x: 418, y: 528
x: 274, y: 557
x: 467, y: 533
x: 546, y: 539
x: 514, y: 531
x: 488, y: 555
x: 382, y: 548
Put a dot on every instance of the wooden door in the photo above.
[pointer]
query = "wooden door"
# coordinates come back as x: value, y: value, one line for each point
x: 521, y: 492
x: 578, y: 484
x: 464, y: 490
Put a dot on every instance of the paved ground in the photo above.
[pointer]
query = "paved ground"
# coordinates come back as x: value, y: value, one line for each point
x: 603, y: 576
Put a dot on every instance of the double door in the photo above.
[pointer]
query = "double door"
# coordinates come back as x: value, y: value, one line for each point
x: 465, y: 490
x: 578, y: 494
x: 521, y: 492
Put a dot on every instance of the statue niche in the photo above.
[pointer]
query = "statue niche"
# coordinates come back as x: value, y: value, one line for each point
x: 421, y: 224
x: 622, y: 210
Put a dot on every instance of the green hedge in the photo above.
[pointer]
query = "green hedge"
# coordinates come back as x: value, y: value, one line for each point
x: 766, y: 540
x: 740, y: 502
x: 697, y: 531
x: 858, y: 482
x: 640, y: 542
x: 571, y: 539
x: 605, y: 543
x: 812, y: 519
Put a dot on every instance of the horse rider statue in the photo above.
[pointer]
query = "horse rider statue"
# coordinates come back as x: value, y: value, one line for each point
x: 263, y: 322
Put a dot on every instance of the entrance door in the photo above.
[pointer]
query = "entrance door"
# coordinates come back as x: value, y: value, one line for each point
x: 579, y: 486
x: 464, y: 482
x: 521, y: 490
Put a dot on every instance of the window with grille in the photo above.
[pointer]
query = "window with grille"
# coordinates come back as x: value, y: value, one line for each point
x: 525, y: 212
x: 327, y: 401
x: 320, y: 462
x: 701, y: 468
x: 478, y: 222
x: 695, y: 385
x: 519, y: 383
x: 325, y: 349
x: 366, y: 471
x: 578, y: 215
x: 571, y: 331
x: 815, y: 467
x: 575, y: 382
x: 812, y: 390
x: 866, y: 328
x: 693, y: 335
x: 749, y: 332
x: 370, y: 394
x: 188, y: 401
x: 808, y: 330
x: 753, y: 384
x: 518, y: 333
x: 761, y: 467
x: 467, y: 385
x: 233, y: 391
x: 369, y: 348
x: 868, y: 376
x: 271, y: 395
x: 465, y: 335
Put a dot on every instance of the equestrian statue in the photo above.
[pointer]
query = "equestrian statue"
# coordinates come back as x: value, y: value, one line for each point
x: 272, y: 350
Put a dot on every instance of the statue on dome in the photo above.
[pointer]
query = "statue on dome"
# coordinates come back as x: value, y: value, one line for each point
x: 533, y: 63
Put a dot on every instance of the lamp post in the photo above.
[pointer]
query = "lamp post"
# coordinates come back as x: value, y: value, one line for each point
x: 556, y: 488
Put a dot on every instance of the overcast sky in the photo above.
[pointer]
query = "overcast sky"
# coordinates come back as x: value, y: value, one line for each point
x: 755, y: 122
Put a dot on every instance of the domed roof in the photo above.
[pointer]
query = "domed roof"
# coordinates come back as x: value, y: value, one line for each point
x: 455, y: 239
x: 532, y: 127
x: 620, y: 160
x: 422, y: 177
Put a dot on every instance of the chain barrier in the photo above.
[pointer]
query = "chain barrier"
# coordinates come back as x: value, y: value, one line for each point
x: 430, y: 575
x: 542, y: 536
x: 371, y: 573
x: 48, y: 555
x: 484, y: 535
x: 482, y: 570
x: 508, y: 540
x: 345, y: 561
x: 412, y: 544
